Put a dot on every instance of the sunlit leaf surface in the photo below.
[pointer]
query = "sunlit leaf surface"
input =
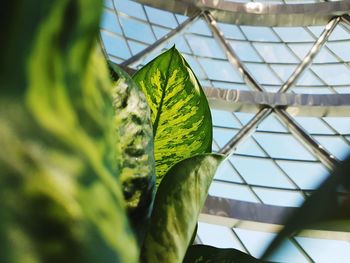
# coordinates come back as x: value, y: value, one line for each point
x: 179, y: 109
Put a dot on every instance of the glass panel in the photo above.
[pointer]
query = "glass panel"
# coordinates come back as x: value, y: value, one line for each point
x: 284, y: 71
x: 335, y: 144
x: 115, y: 45
x: 136, y: 47
x: 231, y: 191
x: 325, y: 56
x: 130, y: 8
x: 244, y: 117
x: 160, y: 31
x: 257, y: 241
x: 218, y: 236
x: 308, y: 78
x: 231, y: 31
x: 282, y: 146
x: 109, y: 22
x: 254, y: 33
x: 307, y: 175
x: 259, y: 171
x: 314, y: 125
x: 340, y: 124
x: 340, y: 49
x: 195, y: 66
x: 224, y: 119
x: 220, y: 70
x: 300, y: 49
x: 226, y: 172
x: 275, y: 53
x: 222, y: 135
x: 250, y: 147
x: 279, y: 197
x: 226, y: 85
x: 339, y: 33
x: 200, y: 27
x: 263, y: 74
x: 245, y: 51
x: 327, y: 73
x: 161, y: 17
x: 294, y: 34
x: 271, y: 123
x: 205, y: 47
x: 324, y: 251
x: 137, y: 30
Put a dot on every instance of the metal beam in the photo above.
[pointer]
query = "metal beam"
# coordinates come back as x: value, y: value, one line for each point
x: 230, y: 54
x: 245, y: 132
x: 260, y: 217
x: 310, y: 55
x: 258, y: 14
x: 313, y: 146
x: 173, y: 33
x: 315, y: 105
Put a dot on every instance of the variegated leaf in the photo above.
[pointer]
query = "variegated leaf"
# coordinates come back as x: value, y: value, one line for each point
x: 136, y: 160
x: 180, y: 112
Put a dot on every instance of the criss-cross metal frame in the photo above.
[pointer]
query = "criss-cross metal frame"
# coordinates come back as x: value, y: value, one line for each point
x: 330, y: 13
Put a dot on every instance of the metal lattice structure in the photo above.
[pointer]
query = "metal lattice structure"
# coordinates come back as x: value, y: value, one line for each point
x: 264, y: 67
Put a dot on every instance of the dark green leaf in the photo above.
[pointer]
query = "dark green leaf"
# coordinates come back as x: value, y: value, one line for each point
x: 61, y: 200
x: 136, y: 161
x: 208, y: 254
x: 178, y: 202
x: 179, y: 110
x: 325, y: 208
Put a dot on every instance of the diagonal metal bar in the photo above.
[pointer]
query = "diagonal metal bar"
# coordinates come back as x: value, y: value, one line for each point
x: 318, y: 150
x: 310, y: 55
x: 173, y: 33
x: 346, y: 20
x: 250, y: 127
x: 231, y: 55
x: 245, y: 132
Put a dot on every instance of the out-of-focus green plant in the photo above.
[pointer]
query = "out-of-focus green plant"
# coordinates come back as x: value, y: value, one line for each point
x: 77, y: 157
x: 61, y: 199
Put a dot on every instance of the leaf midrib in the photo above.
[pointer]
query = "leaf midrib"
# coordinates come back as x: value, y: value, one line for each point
x: 159, y: 112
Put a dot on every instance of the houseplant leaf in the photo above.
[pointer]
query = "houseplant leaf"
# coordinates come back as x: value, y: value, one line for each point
x: 59, y: 186
x: 178, y: 202
x: 179, y: 109
x: 136, y: 161
x: 326, y: 208
x: 209, y: 254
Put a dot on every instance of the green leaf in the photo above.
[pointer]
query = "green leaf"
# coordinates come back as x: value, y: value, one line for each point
x: 136, y: 161
x: 61, y: 199
x: 179, y: 109
x: 325, y: 209
x: 178, y: 202
x: 209, y: 254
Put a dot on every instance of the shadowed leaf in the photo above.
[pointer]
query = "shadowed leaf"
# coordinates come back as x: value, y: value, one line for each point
x: 209, y: 254
x: 178, y: 202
